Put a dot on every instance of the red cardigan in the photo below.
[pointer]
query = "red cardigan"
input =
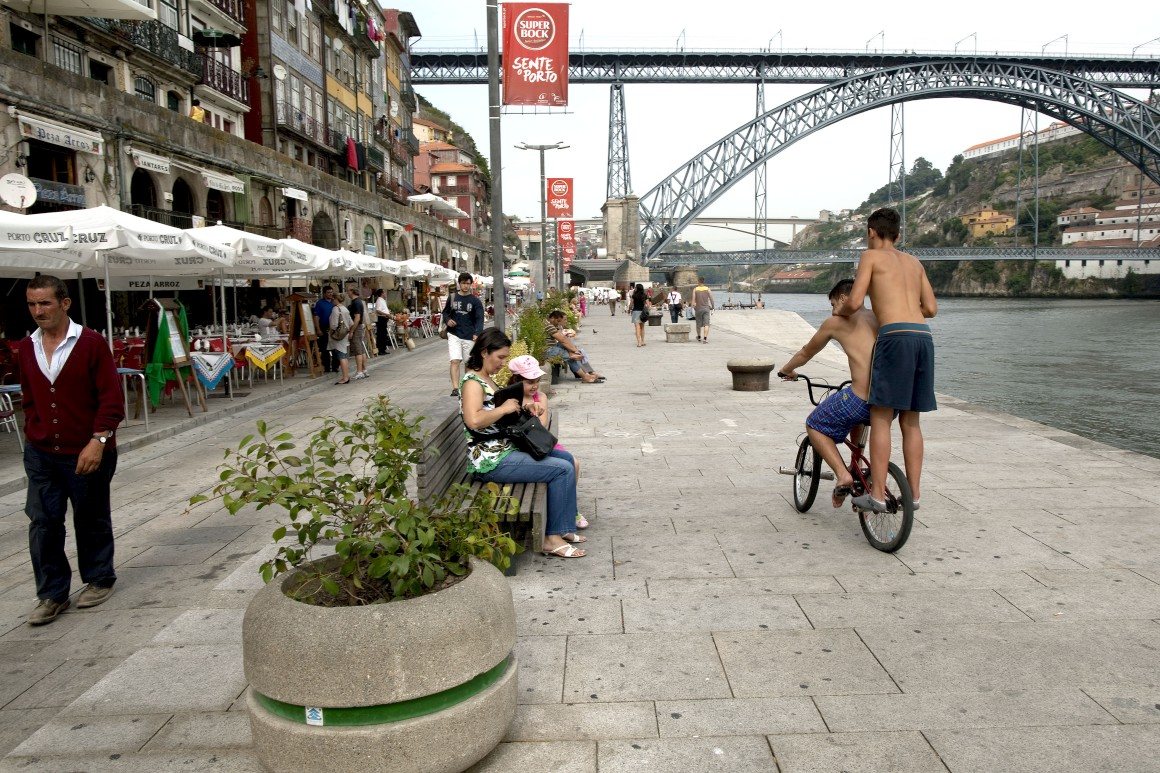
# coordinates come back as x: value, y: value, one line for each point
x: 62, y: 417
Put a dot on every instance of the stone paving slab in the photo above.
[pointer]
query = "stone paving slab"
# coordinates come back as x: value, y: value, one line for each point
x: 719, y: 614
x: 929, y: 607
x: 217, y: 730
x: 583, y: 721
x: 1050, y: 749
x: 738, y: 716
x: 643, y: 666
x: 735, y: 754
x: 87, y: 735
x: 855, y: 753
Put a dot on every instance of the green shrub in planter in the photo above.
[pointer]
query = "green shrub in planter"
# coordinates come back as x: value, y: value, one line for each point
x: 347, y: 485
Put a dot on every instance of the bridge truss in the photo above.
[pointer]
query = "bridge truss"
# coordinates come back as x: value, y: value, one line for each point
x: 1123, y: 123
x: 804, y: 257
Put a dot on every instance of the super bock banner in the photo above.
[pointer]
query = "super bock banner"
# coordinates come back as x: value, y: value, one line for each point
x: 565, y: 237
x: 535, y: 54
x: 559, y: 197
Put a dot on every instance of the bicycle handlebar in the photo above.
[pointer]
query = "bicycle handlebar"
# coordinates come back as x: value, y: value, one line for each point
x: 811, y: 384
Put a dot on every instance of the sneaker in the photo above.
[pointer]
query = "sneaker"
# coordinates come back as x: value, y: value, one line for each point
x: 358, y: 376
x: 92, y: 595
x: 46, y: 611
x: 455, y: 393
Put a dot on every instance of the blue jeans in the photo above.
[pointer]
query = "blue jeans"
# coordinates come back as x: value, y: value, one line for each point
x: 557, y: 470
x: 52, y: 484
x: 576, y: 366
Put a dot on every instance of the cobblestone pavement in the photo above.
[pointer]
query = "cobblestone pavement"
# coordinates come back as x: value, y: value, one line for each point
x: 712, y: 627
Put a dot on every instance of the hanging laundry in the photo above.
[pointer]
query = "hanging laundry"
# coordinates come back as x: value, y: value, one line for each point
x: 351, y: 154
x: 361, y: 155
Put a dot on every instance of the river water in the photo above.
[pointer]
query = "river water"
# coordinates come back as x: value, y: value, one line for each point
x: 1087, y: 366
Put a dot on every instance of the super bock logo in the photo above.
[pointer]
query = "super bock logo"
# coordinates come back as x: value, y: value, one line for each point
x: 535, y: 29
x: 559, y: 188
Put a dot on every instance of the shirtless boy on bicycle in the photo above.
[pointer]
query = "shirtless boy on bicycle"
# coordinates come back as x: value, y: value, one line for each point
x: 902, y: 369
x: 840, y: 413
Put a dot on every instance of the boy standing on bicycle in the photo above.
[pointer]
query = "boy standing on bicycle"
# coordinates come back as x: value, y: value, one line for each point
x: 902, y: 370
x: 837, y: 416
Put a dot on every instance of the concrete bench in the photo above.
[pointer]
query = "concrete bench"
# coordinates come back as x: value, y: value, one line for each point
x: 677, y: 332
x: 443, y: 463
x: 751, y: 374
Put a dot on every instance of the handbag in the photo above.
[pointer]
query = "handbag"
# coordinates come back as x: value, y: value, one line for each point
x: 443, y: 331
x: 340, y: 332
x: 529, y: 435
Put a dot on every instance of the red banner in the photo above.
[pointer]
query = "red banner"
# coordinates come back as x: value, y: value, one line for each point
x: 535, y: 54
x: 566, y: 241
x: 559, y: 197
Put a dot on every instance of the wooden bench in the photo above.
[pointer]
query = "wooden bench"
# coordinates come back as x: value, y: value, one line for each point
x: 443, y: 463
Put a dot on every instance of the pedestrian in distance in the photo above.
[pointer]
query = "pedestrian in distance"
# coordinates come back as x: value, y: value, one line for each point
x: 322, y: 308
x: 463, y: 315
x: 676, y: 303
x: 382, y: 320
x: 702, y: 305
x: 612, y: 298
x: 902, y: 370
x: 639, y: 310
x: 358, y: 335
x: 341, y: 327
x: 73, y: 404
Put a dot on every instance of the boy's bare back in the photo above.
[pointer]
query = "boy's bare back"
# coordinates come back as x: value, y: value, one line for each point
x: 897, y: 285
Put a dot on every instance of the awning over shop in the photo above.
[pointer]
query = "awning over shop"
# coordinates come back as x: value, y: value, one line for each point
x: 36, y: 128
x: 223, y: 182
x: 440, y: 205
x: 294, y: 193
x: 389, y: 225
x: 103, y: 9
x: 143, y: 160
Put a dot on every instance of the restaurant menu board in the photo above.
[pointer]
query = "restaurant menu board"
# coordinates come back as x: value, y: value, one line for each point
x: 176, y: 342
x: 307, y: 319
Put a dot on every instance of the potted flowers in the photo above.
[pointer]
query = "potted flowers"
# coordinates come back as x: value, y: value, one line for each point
x: 394, y: 651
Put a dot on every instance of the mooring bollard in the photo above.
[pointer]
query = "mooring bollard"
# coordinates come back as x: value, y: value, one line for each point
x: 750, y: 374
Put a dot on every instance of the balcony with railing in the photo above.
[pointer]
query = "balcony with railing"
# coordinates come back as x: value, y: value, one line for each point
x: 154, y: 37
x: 225, y: 80
x: 295, y: 120
x: 235, y: 9
x: 455, y: 190
x: 412, y: 142
x: 164, y: 216
x: 375, y: 159
x: 398, y: 151
x: 336, y: 139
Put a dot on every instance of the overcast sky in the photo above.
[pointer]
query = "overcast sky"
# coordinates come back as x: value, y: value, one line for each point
x: 669, y: 124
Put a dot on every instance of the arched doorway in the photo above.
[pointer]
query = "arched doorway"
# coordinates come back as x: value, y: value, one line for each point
x: 143, y: 194
x: 429, y: 250
x: 183, y: 211
x: 265, y: 212
x: 215, y: 207
x: 445, y: 258
x: 322, y: 232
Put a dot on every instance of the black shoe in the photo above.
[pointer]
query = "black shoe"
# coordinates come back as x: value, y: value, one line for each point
x: 455, y: 393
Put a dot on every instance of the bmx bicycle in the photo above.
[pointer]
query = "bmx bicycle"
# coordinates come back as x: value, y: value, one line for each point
x: 887, y: 531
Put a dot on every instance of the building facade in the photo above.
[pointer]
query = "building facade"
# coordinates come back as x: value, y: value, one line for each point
x: 986, y: 221
x: 1133, y: 221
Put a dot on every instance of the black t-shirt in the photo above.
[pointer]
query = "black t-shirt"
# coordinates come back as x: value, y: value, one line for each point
x: 358, y: 308
x: 638, y: 303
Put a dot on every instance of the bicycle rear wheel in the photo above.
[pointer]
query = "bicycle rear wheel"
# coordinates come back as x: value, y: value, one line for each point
x: 807, y: 472
x: 889, y: 531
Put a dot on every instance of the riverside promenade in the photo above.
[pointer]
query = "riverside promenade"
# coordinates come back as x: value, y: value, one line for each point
x: 711, y: 627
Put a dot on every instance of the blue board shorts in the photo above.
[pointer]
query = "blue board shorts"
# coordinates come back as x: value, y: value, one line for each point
x: 838, y: 414
x: 902, y: 369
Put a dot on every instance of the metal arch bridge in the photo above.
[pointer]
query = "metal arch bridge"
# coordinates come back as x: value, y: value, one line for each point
x: 802, y: 67
x: 1127, y: 125
x: 670, y: 260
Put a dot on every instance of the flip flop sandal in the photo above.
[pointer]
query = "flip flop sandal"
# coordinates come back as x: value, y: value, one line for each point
x: 581, y: 522
x: 574, y: 538
x: 565, y: 551
x: 840, y: 494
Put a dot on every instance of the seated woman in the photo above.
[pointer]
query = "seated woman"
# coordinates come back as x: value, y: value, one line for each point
x: 492, y: 457
x: 560, y: 345
x: 527, y: 371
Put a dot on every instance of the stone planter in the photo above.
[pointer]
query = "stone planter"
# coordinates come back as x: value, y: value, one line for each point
x: 556, y: 373
x: 654, y: 319
x: 427, y: 684
x: 750, y: 374
x: 677, y: 332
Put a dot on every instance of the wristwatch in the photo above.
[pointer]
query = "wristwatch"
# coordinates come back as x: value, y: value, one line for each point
x: 102, y: 439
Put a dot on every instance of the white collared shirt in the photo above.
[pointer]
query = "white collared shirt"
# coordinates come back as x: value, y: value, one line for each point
x: 60, y: 356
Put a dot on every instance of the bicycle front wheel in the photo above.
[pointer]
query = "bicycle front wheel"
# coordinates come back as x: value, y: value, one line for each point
x: 889, y: 531
x: 807, y: 472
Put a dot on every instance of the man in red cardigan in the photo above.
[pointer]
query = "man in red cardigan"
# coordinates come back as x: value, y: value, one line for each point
x: 72, y: 406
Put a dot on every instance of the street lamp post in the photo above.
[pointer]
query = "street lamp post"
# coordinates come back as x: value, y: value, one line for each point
x: 543, y: 206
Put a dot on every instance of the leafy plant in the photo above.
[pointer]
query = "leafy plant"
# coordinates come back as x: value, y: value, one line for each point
x: 396, y: 307
x: 347, y: 485
x: 518, y: 348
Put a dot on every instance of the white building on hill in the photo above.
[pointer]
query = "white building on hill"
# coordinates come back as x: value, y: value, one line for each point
x: 1055, y: 131
x: 1131, y: 222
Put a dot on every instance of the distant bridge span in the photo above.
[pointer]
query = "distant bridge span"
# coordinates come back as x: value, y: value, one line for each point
x: 795, y: 257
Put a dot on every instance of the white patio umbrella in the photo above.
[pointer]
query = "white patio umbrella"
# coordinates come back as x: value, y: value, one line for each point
x: 110, y: 242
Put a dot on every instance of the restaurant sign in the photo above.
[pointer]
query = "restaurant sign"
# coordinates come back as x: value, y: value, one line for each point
x: 51, y: 192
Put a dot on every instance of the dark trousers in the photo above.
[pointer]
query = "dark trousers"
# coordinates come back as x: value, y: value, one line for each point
x: 674, y: 313
x: 382, y: 340
x: 52, y: 484
x: 328, y: 364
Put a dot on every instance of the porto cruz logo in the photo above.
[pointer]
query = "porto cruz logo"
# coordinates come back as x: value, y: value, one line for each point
x: 535, y: 29
x: 559, y: 188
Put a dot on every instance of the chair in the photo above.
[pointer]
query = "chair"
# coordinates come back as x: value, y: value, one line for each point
x: 142, y: 406
x: 8, y: 417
